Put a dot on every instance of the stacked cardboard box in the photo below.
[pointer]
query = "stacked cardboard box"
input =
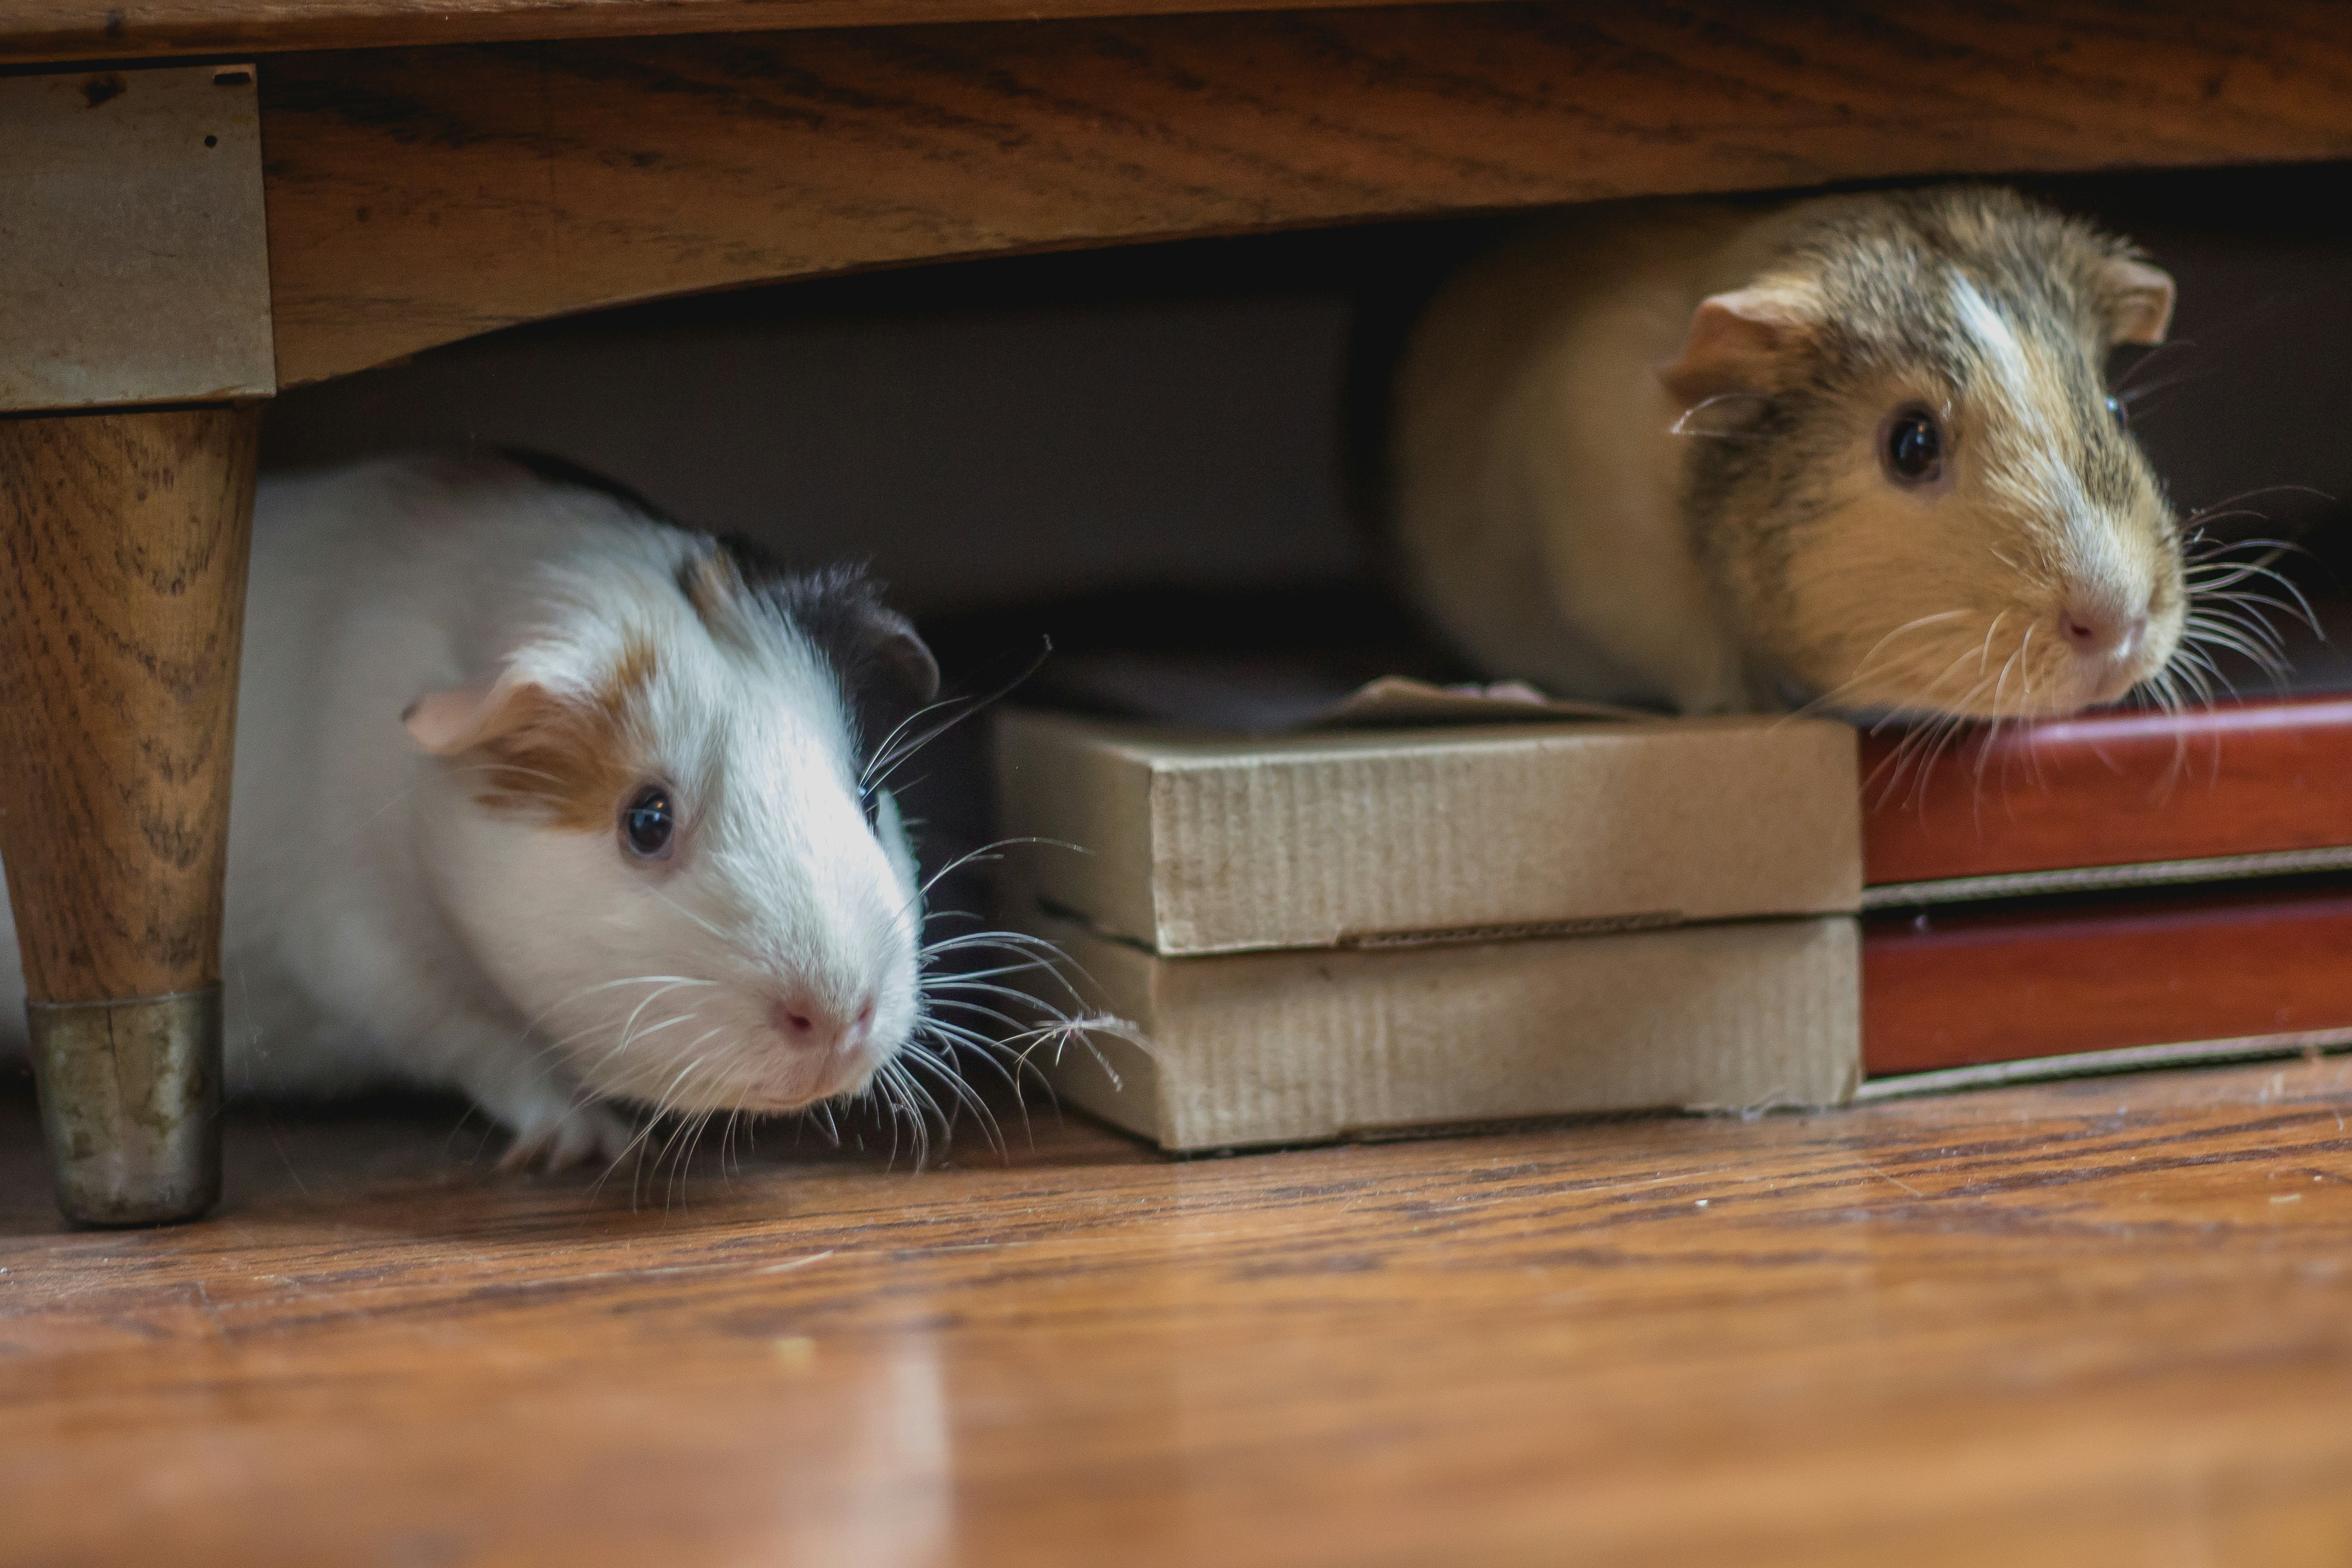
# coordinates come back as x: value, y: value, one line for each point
x: 1341, y: 932
x: 1345, y: 932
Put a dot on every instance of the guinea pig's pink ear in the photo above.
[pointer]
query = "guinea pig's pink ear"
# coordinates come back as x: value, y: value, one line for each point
x: 1734, y: 344
x: 2137, y: 300
x: 447, y: 722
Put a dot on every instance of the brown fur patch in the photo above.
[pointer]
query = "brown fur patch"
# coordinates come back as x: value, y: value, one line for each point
x: 565, y: 761
x: 711, y: 584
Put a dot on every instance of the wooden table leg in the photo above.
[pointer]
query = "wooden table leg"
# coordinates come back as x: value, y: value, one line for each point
x: 123, y: 539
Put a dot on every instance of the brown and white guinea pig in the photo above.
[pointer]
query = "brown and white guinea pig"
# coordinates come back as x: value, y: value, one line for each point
x: 548, y: 802
x: 1857, y: 449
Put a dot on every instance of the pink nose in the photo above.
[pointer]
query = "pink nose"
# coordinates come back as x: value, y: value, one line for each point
x: 2099, y: 633
x: 808, y: 1024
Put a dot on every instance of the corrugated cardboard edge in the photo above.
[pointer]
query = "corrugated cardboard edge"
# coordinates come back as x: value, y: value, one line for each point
x: 1077, y: 818
x: 1204, y: 844
x: 1257, y: 1049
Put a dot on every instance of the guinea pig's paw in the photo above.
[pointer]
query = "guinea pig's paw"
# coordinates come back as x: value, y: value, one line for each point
x: 577, y: 1136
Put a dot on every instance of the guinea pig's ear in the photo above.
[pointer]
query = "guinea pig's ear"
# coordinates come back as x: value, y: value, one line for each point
x: 712, y: 581
x: 901, y: 658
x: 873, y: 648
x: 2136, y: 299
x: 447, y: 722
x: 1734, y: 344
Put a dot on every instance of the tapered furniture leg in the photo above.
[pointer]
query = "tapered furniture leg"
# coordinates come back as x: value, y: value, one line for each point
x: 123, y: 539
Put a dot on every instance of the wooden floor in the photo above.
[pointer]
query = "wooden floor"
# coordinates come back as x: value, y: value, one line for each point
x: 2106, y: 1321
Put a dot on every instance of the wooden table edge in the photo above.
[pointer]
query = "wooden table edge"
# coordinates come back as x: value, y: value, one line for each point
x: 64, y: 32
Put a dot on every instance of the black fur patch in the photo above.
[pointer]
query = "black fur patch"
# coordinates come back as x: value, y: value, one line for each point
x: 884, y: 670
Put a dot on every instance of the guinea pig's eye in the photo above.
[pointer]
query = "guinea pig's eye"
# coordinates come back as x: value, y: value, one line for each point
x: 2121, y: 416
x: 648, y: 822
x: 1914, y: 449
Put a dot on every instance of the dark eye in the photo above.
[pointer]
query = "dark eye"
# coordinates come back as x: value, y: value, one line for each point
x: 1914, y: 452
x: 2122, y: 416
x: 648, y: 821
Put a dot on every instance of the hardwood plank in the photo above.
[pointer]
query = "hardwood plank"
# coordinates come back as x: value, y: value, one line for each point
x: 2094, y: 1322
x: 1949, y: 989
x: 39, y: 30
x: 419, y: 196
x: 2113, y: 789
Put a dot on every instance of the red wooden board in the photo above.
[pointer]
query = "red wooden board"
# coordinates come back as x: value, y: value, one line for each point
x: 2113, y: 789
x: 1942, y: 990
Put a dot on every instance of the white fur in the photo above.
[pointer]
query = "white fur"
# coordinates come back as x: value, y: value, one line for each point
x: 385, y: 927
x: 1998, y: 350
x: 2031, y: 471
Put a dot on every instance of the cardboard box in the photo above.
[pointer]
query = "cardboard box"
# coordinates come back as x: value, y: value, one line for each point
x: 1340, y: 933
x: 1196, y: 843
x: 1289, y: 1048
x: 2031, y: 865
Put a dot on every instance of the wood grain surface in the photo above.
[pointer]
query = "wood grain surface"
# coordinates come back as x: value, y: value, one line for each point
x: 33, y: 30
x: 2114, y: 789
x: 2107, y: 1323
x: 1943, y: 989
x: 122, y: 559
x: 416, y: 197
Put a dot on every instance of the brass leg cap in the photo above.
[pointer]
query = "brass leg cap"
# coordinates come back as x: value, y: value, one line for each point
x: 130, y: 1098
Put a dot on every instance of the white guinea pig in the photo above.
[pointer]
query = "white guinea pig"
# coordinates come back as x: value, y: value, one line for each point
x: 550, y: 801
x: 1855, y: 448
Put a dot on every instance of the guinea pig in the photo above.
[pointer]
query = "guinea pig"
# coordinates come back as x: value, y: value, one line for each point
x: 548, y: 801
x: 1855, y: 450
